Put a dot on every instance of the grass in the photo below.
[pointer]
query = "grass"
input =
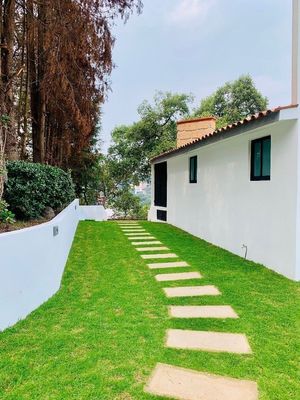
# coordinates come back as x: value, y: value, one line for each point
x: 100, y: 337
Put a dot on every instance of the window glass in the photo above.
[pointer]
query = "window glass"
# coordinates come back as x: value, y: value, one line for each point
x: 266, y: 164
x: 257, y: 159
x: 261, y: 159
x: 193, y: 169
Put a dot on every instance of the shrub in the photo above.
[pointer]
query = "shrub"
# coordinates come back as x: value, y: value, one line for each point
x: 127, y: 205
x: 6, y: 216
x: 32, y: 187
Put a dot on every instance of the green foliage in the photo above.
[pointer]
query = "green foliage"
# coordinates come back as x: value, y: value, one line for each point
x: 155, y: 132
x: 31, y: 188
x: 233, y: 101
x: 86, y: 174
x: 4, y: 119
x: 6, y: 216
x: 127, y: 205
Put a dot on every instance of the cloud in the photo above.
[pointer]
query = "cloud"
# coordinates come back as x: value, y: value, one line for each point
x: 190, y: 10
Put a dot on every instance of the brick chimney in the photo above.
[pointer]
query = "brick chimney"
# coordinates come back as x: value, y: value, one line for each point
x: 192, y: 129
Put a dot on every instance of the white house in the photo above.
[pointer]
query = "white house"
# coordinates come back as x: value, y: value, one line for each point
x: 238, y: 187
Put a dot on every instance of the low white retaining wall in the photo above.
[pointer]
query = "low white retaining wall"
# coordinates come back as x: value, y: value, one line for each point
x: 95, y: 213
x: 32, y: 263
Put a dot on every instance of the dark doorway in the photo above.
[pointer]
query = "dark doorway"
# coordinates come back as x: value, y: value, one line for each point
x: 160, y: 184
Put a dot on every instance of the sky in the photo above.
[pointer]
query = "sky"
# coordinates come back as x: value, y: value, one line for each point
x: 195, y: 46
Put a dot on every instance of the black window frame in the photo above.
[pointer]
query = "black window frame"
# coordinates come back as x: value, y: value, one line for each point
x: 261, y: 177
x: 193, y: 178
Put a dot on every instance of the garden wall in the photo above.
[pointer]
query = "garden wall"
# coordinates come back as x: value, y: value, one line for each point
x: 32, y: 263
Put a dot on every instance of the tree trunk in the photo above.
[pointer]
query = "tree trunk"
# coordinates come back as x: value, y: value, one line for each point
x: 7, y: 51
x: 32, y: 74
x: 2, y: 114
x: 42, y: 28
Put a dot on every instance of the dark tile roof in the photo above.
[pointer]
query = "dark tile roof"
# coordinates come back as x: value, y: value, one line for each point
x: 228, y: 128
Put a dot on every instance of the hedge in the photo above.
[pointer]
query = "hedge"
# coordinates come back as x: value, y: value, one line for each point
x: 32, y: 187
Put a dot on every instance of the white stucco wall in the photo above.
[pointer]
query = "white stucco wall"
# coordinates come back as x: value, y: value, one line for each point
x: 225, y: 208
x: 32, y: 261
x: 95, y: 213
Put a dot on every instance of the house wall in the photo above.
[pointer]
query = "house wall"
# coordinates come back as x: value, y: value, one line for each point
x: 227, y: 209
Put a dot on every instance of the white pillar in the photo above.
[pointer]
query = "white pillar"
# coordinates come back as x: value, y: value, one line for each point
x: 296, y: 53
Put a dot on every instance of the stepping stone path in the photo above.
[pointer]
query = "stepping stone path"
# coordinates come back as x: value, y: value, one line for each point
x: 138, y: 231
x: 192, y: 291
x: 137, y: 234
x: 152, y: 248
x: 178, y: 277
x: 208, y: 341
x: 143, y: 243
x: 180, y: 383
x: 131, y: 226
x: 158, y: 256
x: 179, y: 264
x: 127, y: 230
x: 141, y: 237
x: 222, y: 312
x: 186, y: 384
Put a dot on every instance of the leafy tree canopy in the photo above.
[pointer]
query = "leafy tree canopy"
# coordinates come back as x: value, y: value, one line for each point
x: 233, y: 101
x: 154, y: 133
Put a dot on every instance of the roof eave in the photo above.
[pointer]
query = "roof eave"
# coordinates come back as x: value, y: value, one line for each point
x: 253, y: 122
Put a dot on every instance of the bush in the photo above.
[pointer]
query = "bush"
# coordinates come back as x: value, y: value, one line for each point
x: 127, y: 205
x: 31, y: 188
x: 6, y: 216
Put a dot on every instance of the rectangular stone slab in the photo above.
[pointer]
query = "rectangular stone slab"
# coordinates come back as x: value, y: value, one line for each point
x: 132, y: 224
x: 176, y: 264
x: 182, y: 276
x: 133, y: 230
x: 187, y: 384
x: 208, y: 341
x: 137, y: 234
x: 190, y: 291
x: 222, y: 312
x: 141, y: 237
x: 129, y: 225
x: 158, y: 256
x: 143, y: 243
x: 152, y: 248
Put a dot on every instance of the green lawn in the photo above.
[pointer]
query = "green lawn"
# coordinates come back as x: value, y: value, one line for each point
x: 101, y: 336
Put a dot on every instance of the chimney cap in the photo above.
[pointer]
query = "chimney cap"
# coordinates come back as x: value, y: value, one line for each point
x: 186, y: 121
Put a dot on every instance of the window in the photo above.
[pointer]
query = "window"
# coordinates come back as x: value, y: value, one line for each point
x: 193, y: 169
x: 160, y: 184
x: 261, y: 159
x: 162, y: 215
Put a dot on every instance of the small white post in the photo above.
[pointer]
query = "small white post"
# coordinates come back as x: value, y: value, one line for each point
x: 296, y: 53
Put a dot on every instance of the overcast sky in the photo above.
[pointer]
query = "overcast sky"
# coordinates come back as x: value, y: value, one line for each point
x: 194, y: 46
